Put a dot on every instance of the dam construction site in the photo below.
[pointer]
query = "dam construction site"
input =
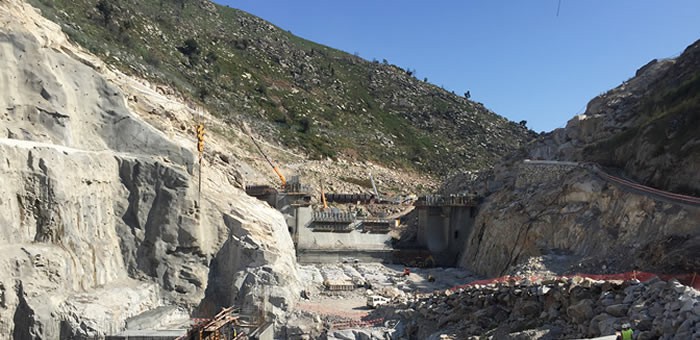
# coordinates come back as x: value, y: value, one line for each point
x: 185, y: 170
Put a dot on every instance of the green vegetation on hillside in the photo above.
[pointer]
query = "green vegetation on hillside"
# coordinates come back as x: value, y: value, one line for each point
x: 317, y: 99
x: 671, y: 115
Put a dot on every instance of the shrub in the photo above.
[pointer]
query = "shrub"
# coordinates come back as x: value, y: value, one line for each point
x: 191, y: 50
x: 106, y: 9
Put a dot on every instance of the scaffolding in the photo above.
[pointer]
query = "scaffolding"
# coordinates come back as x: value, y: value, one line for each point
x: 226, y: 325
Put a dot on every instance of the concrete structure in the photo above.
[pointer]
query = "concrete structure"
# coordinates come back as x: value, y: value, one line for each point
x: 263, y: 192
x: 297, y: 218
x: 534, y: 172
x: 264, y: 332
x: 329, y: 255
x: 350, y: 198
x: 333, y: 221
x: 144, y: 334
x: 326, y: 247
x: 331, y: 236
x: 378, y: 225
x: 339, y: 285
x: 293, y: 202
x: 444, y: 225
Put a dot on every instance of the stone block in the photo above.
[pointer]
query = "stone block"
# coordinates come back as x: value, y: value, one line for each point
x: 617, y: 310
x: 581, y: 312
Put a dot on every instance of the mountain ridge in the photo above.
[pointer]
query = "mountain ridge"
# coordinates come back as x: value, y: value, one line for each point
x: 305, y: 96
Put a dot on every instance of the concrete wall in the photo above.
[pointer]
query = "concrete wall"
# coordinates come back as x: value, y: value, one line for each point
x: 265, y: 332
x: 296, y: 218
x: 307, y: 256
x: 535, y: 172
x: 461, y: 222
x: 443, y: 230
x: 355, y: 239
x: 432, y: 233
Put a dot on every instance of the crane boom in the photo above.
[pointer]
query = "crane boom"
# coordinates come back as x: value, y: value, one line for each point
x: 323, y: 197
x: 374, y: 186
x: 269, y: 161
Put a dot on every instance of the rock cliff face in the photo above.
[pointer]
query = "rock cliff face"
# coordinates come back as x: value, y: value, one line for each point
x: 101, y: 212
x: 568, y: 213
x: 647, y: 126
x: 590, y: 224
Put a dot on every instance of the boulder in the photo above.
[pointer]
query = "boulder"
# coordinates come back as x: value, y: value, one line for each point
x: 617, y: 310
x: 580, y: 312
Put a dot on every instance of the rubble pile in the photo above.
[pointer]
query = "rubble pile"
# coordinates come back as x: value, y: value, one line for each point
x: 553, y: 309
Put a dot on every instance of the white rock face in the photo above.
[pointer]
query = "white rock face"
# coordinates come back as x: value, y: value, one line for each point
x: 101, y: 220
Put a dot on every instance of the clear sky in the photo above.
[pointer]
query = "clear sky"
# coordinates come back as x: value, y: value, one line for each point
x: 517, y: 57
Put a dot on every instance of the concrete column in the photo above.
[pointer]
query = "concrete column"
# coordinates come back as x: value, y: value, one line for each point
x: 422, y: 223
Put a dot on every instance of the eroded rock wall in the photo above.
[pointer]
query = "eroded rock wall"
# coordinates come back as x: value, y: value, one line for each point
x: 595, y: 224
x: 62, y: 260
x: 102, y: 215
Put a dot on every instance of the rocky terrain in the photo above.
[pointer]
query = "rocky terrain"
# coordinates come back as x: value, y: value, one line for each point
x: 105, y: 221
x: 325, y: 312
x: 552, y: 309
x: 646, y: 127
x: 586, y: 221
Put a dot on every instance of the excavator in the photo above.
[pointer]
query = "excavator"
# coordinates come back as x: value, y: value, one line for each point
x: 269, y: 161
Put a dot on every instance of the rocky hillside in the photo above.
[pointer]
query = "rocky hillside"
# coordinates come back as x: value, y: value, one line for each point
x: 570, y: 215
x: 317, y: 100
x: 647, y: 127
x: 102, y: 215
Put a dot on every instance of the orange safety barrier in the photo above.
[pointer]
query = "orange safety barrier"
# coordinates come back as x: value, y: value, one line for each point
x: 690, y: 280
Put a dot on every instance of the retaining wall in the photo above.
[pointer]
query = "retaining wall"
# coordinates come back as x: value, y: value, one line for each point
x: 535, y: 172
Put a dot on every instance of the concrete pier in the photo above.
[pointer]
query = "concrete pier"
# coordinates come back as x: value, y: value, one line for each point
x: 444, y: 225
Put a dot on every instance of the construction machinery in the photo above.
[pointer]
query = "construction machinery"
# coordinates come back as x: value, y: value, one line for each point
x: 200, y: 151
x: 323, y: 197
x: 225, y: 325
x: 229, y: 324
x: 269, y: 161
x: 374, y: 186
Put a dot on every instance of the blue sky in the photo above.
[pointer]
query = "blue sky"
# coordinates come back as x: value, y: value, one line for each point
x: 517, y: 57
